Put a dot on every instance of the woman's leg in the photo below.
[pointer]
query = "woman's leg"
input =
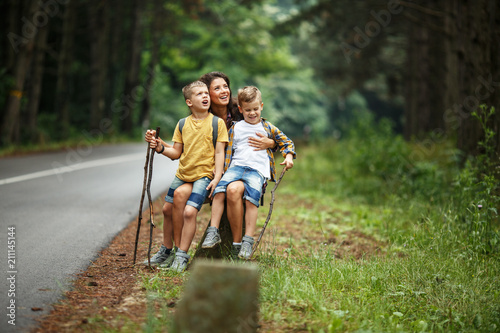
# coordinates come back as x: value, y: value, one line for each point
x: 234, y: 195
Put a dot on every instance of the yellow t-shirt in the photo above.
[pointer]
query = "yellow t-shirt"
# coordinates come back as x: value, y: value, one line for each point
x: 198, y: 156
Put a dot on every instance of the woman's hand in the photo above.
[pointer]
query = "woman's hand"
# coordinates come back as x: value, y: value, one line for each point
x: 261, y: 142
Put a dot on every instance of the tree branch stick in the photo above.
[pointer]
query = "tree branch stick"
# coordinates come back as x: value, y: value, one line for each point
x: 270, y: 211
x: 151, y: 212
x: 139, y: 219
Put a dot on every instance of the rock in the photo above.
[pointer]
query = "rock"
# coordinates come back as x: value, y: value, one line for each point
x: 219, y: 297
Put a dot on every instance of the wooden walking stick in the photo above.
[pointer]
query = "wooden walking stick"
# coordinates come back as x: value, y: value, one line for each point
x: 139, y: 219
x: 148, y: 168
x: 148, y: 189
x: 270, y: 211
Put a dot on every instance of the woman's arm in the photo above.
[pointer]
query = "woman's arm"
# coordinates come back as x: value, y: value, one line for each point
x: 261, y: 142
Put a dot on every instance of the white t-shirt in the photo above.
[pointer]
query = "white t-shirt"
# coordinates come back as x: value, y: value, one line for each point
x: 244, y: 155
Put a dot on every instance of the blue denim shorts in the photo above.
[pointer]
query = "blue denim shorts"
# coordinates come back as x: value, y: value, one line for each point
x: 252, y: 179
x: 198, y: 194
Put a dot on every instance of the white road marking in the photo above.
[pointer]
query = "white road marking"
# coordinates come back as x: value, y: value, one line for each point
x: 72, y: 167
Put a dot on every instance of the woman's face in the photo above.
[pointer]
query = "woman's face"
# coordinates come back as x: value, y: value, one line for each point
x: 219, y: 92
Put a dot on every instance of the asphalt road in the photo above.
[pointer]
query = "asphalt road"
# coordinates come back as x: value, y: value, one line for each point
x: 57, y: 211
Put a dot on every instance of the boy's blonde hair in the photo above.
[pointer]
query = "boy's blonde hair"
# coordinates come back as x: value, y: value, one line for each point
x: 249, y: 94
x: 187, y: 91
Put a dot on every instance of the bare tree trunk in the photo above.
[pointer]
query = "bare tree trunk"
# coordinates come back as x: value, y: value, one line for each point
x: 494, y: 10
x: 35, y: 86
x: 156, y: 29
x: 132, y: 89
x: 23, y: 41
x: 475, y: 33
x: 118, y: 44
x: 426, y: 54
x: 13, y: 10
x: 98, y: 24
x: 63, y: 91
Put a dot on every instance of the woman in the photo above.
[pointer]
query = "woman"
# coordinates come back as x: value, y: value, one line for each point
x: 223, y: 106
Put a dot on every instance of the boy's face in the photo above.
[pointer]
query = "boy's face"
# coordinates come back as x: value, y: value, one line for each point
x: 200, y: 99
x: 251, y: 111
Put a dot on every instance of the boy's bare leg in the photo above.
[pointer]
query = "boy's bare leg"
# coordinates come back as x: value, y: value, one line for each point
x: 234, y: 194
x: 189, y: 228
x: 217, y: 209
x: 181, y: 196
x: 167, y: 225
x: 250, y: 218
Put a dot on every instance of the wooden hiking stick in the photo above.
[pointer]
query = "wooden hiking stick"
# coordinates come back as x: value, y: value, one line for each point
x: 270, y: 212
x: 141, y: 203
x: 146, y: 185
x: 151, y: 213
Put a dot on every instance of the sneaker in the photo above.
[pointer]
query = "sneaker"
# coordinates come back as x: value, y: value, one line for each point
x: 180, y: 262
x: 235, y: 250
x: 211, y: 239
x: 159, y: 257
x: 246, y: 248
x: 170, y: 259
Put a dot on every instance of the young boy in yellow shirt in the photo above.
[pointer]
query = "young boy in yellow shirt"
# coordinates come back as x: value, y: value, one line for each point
x: 200, y: 163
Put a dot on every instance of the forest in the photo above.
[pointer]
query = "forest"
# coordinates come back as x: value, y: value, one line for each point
x: 105, y: 69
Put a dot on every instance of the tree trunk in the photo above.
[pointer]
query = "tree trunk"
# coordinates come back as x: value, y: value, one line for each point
x: 63, y: 90
x: 223, y: 250
x: 98, y: 24
x: 156, y: 29
x: 132, y: 89
x: 23, y: 41
x: 35, y: 87
x: 13, y: 10
x: 425, y: 90
x: 476, y: 36
x: 118, y: 44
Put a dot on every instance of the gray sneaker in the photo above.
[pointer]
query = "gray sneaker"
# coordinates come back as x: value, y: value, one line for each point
x: 170, y: 259
x: 159, y: 257
x: 180, y: 262
x: 246, y: 248
x: 211, y: 239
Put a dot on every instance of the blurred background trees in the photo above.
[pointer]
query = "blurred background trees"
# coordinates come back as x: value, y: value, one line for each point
x: 101, y: 69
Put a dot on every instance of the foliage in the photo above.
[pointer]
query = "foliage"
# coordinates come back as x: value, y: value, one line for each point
x: 478, y: 191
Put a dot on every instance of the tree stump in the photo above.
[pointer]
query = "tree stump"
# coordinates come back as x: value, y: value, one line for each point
x: 223, y: 250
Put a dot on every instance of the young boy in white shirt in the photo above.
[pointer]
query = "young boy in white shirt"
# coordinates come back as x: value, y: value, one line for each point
x: 251, y: 166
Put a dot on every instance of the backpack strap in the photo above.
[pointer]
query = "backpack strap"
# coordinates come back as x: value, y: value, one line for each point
x: 181, y: 124
x: 215, y: 128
